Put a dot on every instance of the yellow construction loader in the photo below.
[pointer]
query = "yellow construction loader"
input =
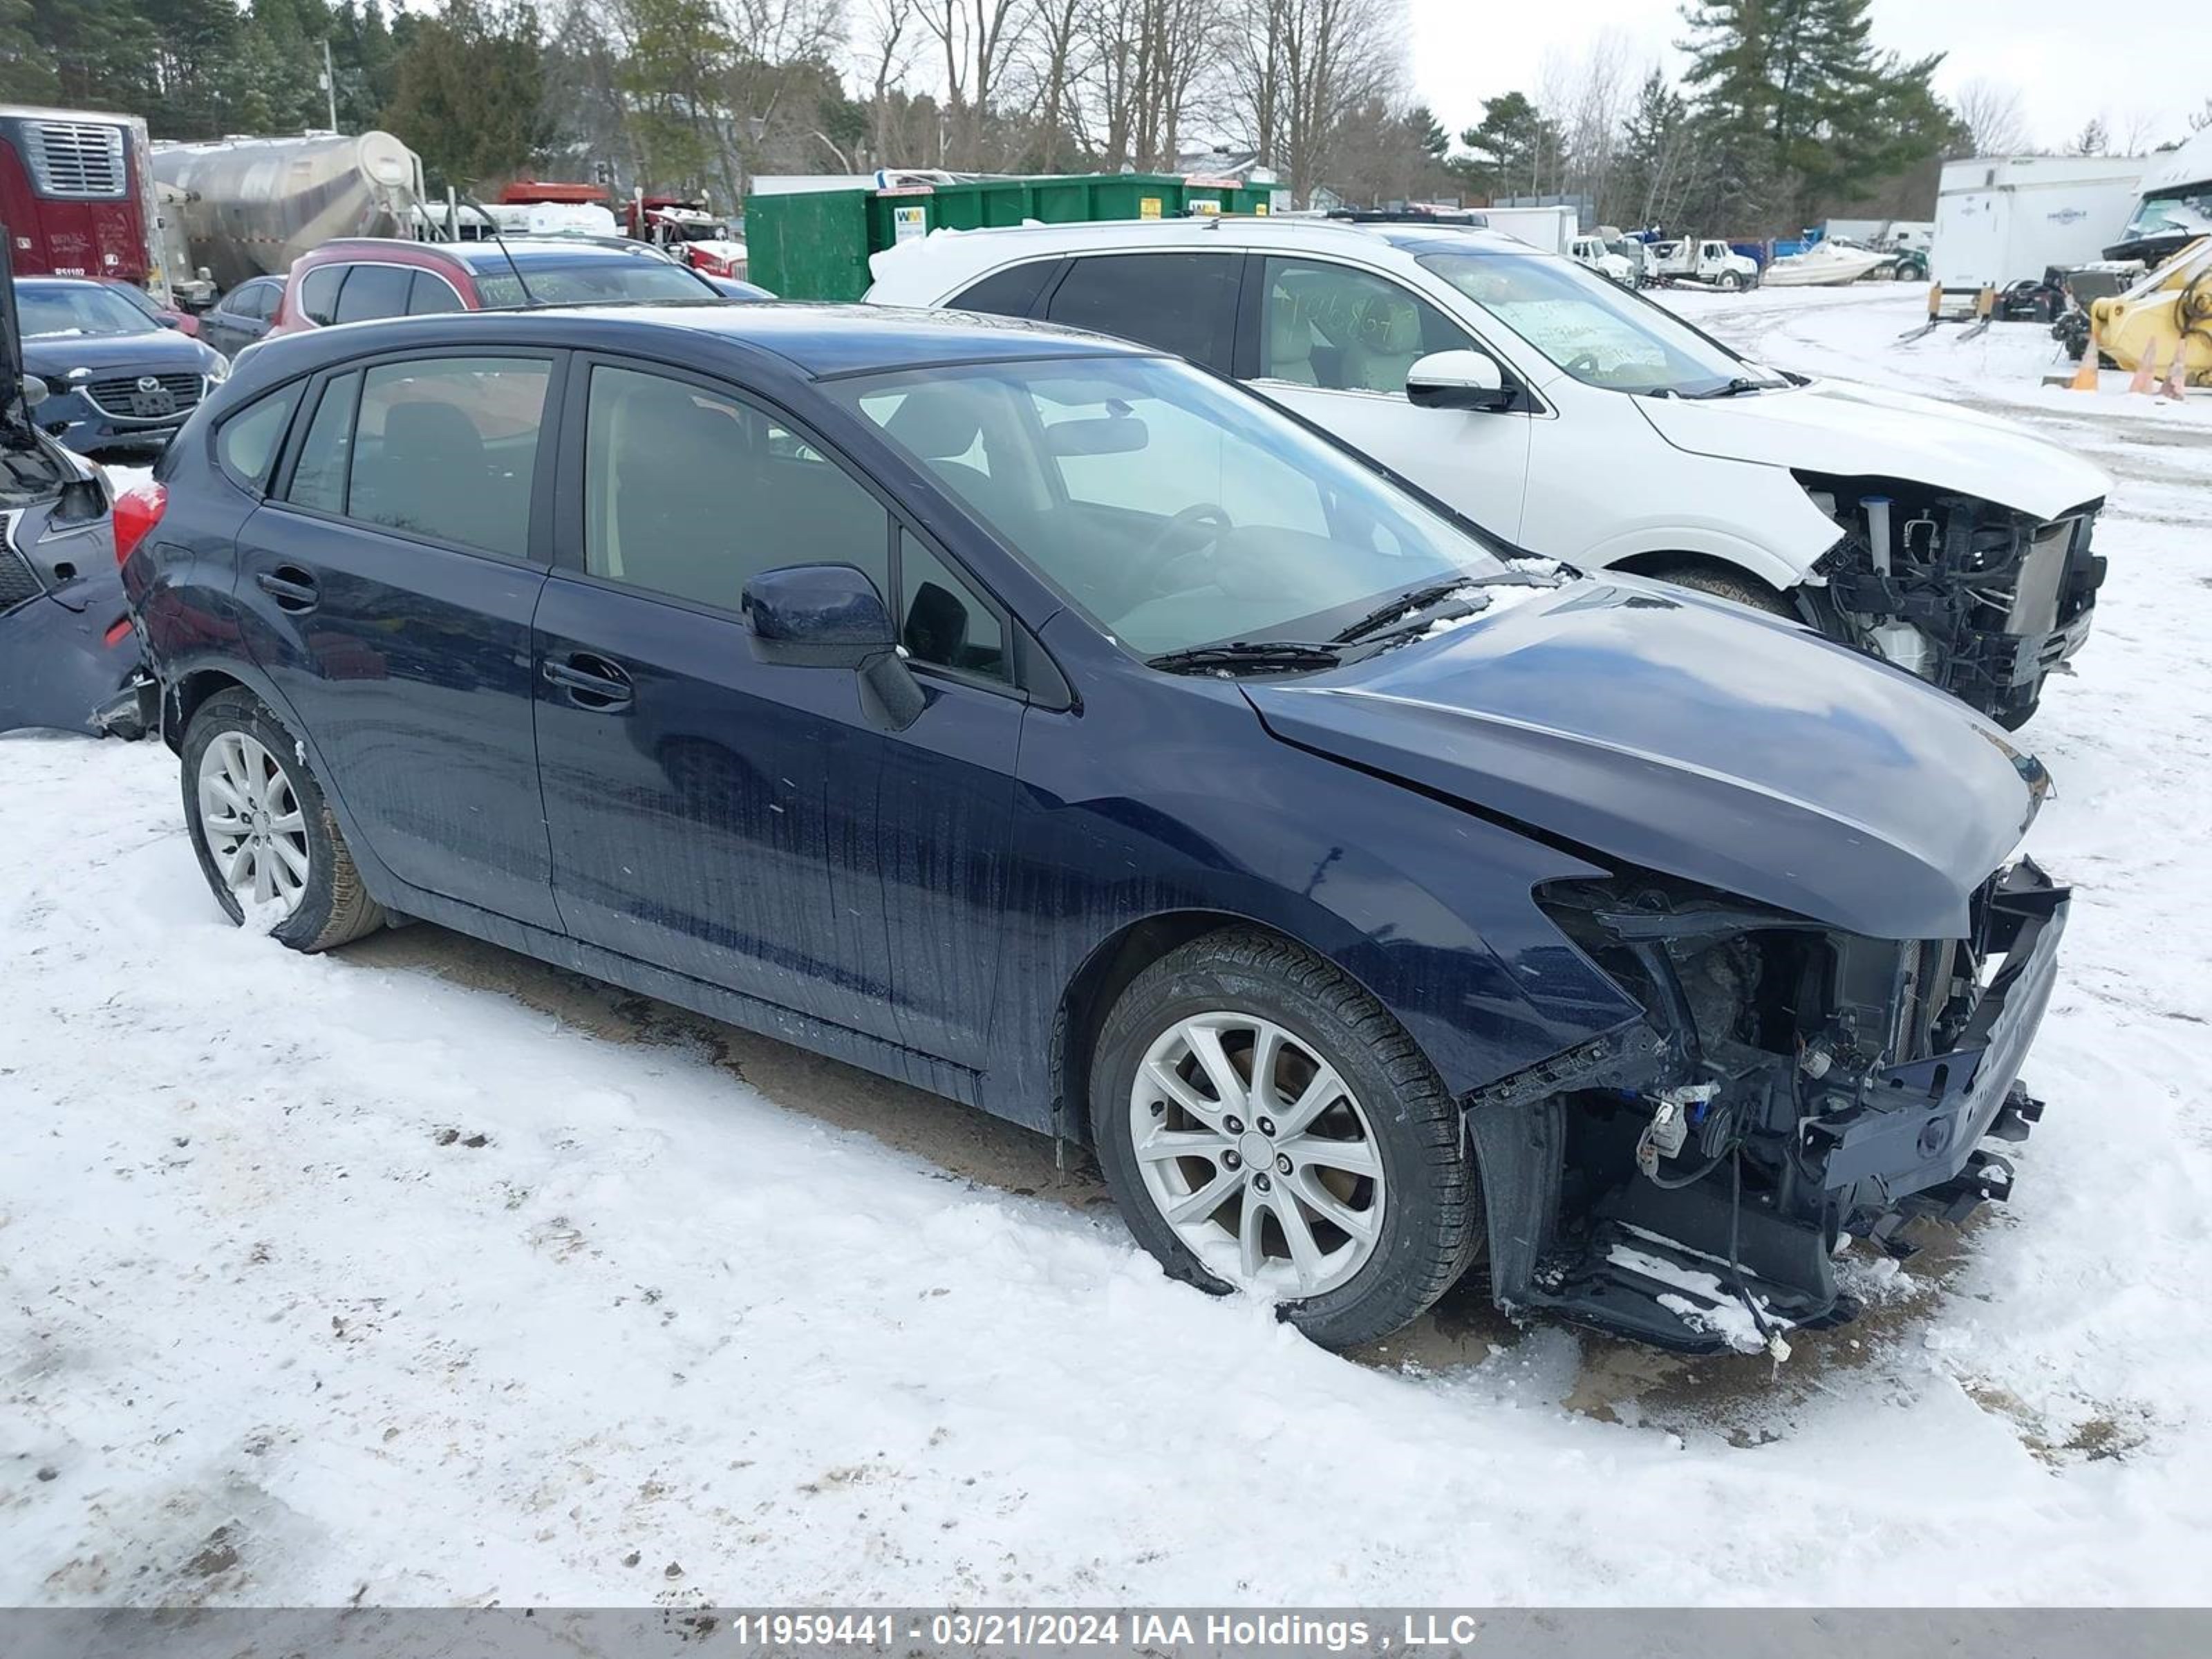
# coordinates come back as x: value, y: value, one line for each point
x: 2170, y: 310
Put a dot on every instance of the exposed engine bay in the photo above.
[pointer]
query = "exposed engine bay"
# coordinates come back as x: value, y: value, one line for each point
x: 1688, y: 1180
x: 1980, y: 600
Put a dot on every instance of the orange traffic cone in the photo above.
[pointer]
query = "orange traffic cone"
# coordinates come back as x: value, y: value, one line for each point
x: 2178, y: 373
x: 2085, y: 378
x: 2144, y: 380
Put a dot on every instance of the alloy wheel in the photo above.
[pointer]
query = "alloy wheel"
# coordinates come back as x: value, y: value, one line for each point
x: 255, y: 830
x: 1257, y: 1154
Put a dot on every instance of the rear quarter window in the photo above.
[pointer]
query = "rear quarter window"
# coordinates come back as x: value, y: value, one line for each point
x: 246, y: 444
x: 1009, y: 292
x: 319, y: 293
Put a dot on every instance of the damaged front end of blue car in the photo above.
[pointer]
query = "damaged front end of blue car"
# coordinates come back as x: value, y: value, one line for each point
x: 1689, y: 1179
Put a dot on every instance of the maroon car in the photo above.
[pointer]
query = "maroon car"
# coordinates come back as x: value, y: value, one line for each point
x: 358, y: 278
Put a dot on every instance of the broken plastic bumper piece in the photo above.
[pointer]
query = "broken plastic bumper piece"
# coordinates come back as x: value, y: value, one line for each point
x: 1917, y: 1127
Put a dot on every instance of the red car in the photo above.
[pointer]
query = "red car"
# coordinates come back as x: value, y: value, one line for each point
x: 358, y: 278
x: 163, y: 316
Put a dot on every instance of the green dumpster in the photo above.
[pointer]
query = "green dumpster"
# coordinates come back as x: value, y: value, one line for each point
x: 815, y: 245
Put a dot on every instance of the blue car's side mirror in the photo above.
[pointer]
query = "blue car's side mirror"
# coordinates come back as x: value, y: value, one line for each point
x: 819, y: 616
x: 830, y: 616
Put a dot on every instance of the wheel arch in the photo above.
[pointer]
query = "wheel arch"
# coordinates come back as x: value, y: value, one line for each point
x: 182, y: 697
x: 185, y: 687
x: 1661, y: 560
x: 1644, y: 553
x: 1105, y: 973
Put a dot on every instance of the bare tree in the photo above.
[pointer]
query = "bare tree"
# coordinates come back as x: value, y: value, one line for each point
x: 2137, y: 133
x: 1059, y: 47
x: 1298, y: 70
x: 885, y: 44
x: 976, y: 41
x: 1147, y: 61
x: 1992, y: 111
x: 1587, y: 96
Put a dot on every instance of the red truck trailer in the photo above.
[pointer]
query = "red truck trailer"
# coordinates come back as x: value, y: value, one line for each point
x: 76, y: 194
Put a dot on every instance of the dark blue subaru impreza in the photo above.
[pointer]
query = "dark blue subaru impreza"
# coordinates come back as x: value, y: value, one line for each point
x: 1049, y: 724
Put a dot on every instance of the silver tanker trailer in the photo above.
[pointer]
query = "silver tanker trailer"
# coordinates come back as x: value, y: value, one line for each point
x: 251, y: 206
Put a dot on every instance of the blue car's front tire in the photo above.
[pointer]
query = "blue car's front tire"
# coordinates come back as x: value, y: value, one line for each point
x: 1267, y: 1126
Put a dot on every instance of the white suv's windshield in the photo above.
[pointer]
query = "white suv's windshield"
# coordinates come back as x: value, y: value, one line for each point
x: 1595, y: 330
x: 1177, y: 511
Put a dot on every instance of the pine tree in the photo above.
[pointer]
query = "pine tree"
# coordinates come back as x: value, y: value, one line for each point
x: 1797, y: 105
x: 1512, y: 148
x: 1658, y: 156
x: 470, y: 92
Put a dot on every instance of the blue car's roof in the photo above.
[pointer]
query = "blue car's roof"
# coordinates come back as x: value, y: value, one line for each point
x: 818, y: 340
x: 846, y: 339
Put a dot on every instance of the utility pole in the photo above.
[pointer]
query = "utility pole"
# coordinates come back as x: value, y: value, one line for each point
x: 330, y: 84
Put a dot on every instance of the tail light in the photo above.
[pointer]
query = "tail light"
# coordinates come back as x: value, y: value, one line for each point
x: 137, y: 511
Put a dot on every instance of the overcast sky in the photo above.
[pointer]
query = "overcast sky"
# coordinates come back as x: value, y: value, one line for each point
x: 2070, y: 61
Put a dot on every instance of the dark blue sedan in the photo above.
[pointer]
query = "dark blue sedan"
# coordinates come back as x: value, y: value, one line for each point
x: 1054, y: 726
x: 114, y: 381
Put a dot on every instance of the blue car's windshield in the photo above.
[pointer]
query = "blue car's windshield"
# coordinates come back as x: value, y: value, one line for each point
x: 1176, y: 511
x: 88, y: 310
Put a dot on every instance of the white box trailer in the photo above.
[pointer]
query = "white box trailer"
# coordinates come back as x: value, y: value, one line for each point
x: 1551, y: 228
x: 2004, y: 219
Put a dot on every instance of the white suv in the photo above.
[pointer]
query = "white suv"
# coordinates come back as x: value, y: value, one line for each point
x: 1581, y: 420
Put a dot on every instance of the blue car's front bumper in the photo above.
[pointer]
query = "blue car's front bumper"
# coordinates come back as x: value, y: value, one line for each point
x: 1916, y: 1134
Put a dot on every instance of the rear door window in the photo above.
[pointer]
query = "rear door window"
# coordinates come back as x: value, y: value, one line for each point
x: 252, y: 301
x: 432, y: 293
x: 318, y: 478
x: 1185, y: 303
x: 447, y: 447
x: 374, y: 291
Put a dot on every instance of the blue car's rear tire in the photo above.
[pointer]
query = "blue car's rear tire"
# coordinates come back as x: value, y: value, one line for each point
x: 1341, y: 1182
x: 264, y: 835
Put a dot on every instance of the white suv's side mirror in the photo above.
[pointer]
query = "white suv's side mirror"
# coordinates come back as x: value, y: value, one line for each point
x: 1457, y: 379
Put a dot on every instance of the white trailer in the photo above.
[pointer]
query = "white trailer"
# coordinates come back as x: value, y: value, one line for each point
x: 1551, y: 228
x: 2001, y: 220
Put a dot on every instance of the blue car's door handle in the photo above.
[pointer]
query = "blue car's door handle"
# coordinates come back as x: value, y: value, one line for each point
x: 591, y: 682
x: 293, y: 588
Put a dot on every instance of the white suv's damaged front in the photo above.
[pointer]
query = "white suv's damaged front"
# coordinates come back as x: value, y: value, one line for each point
x: 1962, y: 543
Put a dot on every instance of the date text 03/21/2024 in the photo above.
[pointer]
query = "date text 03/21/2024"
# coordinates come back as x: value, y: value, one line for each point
x: 1070, y: 1629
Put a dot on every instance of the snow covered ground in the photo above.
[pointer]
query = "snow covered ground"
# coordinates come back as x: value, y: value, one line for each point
x: 422, y: 1274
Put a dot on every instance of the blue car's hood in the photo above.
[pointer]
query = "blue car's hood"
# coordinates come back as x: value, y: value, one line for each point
x: 1691, y: 736
x: 157, y: 351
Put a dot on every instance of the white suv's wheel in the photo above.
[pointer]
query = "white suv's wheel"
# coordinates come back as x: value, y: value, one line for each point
x: 1267, y: 1127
